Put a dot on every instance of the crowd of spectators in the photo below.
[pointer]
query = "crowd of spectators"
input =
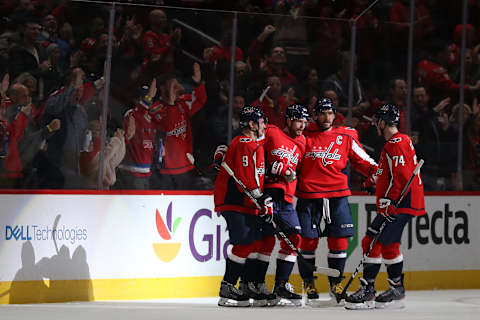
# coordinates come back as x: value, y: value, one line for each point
x: 52, y: 62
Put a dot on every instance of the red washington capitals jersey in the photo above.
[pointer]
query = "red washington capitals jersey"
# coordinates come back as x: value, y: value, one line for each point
x: 323, y: 169
x: 175, y: 122
x: 397, y: 162
x: 281, y: 147
x: 139, y: 156
x: 246, y: 158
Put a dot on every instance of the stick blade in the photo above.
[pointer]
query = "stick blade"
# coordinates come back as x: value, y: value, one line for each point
x: 190, y: 158
x: 328, y: 271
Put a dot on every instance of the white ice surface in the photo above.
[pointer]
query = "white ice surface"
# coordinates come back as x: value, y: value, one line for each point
x: 420, y: 305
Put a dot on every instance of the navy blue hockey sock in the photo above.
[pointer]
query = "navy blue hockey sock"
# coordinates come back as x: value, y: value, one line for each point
x: 306, y: 273
x: 370, y: 271
x: 284, y: 269
x: 395, y: 271
x: 250, y: 270
x: 262, y: 267
x: 337, y: 263
x: 233, y: 270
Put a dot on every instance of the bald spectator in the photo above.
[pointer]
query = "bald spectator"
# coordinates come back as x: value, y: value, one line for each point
x: 25, y: 140
x: 160, y: 46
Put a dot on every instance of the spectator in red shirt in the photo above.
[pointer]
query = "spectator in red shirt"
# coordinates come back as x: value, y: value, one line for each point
x: 158, y: 45
x: 400, y: 18
x: 433, y: 75
x: 173, y: 115
x: 224, y: 50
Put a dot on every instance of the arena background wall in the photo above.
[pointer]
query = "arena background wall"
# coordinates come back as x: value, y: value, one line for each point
x: 61, y: 246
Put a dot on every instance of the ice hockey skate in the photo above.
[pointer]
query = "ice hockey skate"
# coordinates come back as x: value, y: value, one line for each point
x: 257, y: 298
x: 311, y: 293
x: 336, y: 290
x: 363, y: 298
x: 230, y: 296
x: 272, y: 298
x: 286, y: 295
x: 393, y: 297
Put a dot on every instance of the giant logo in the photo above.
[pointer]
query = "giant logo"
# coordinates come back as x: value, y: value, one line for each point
x: 166, y: 251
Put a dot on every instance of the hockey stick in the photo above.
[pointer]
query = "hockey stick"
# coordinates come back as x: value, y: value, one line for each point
x: 262, y: 96
x: 327, y: 271
x: 192, y: 161
x: 382, y: 226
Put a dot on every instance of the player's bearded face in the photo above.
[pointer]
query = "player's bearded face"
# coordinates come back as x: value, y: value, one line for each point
x: 325, y: 119
x: 297, y: 126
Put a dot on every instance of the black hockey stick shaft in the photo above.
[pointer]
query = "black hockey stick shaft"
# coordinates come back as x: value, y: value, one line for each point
x: 379, y: 232
x: 278, y: 232
x: 194, y: 163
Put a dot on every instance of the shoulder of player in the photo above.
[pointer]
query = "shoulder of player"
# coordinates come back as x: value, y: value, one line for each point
x: 347, y: 131
x: 398, y: 139
x: 242, y: 139
x: 399, y: 143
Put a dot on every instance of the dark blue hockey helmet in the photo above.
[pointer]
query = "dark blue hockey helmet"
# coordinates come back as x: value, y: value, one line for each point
x: 324, y: 104
x: 296, y: 112
x: 250, y: 113
x: 388, y: 113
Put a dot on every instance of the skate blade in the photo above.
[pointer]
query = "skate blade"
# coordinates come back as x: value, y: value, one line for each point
x: 258, y: 303
x: 360, y: 306
x: 290, y: 302
x: 394, y: 304
x: 320, y: 303
x: 225, y: 302
x: 273, y: 303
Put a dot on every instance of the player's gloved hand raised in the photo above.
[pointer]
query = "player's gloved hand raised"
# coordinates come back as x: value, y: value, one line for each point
x: 387, y: 209
x: 266, y: 213
x: 368, y: 185
x: 219, y: 156
x: 278, y: 168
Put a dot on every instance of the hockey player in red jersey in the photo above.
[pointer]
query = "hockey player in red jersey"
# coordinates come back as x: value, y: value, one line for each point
x: 323, y: 191
x: 173, y: 113
x: 283, y: 151
x: 396, y: 165
x: 245, y: 156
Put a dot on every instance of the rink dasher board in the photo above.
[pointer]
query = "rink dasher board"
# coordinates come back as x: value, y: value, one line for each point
x: 128, y: 237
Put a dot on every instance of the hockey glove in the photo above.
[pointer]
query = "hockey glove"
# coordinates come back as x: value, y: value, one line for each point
x: 266, y: 213
x: 387, y: 209
x: 368, y: 185
x: 219, y: 156
x: 278, y: 169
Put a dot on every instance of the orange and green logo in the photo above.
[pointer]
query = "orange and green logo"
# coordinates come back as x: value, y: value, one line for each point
x: 166, y: 251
